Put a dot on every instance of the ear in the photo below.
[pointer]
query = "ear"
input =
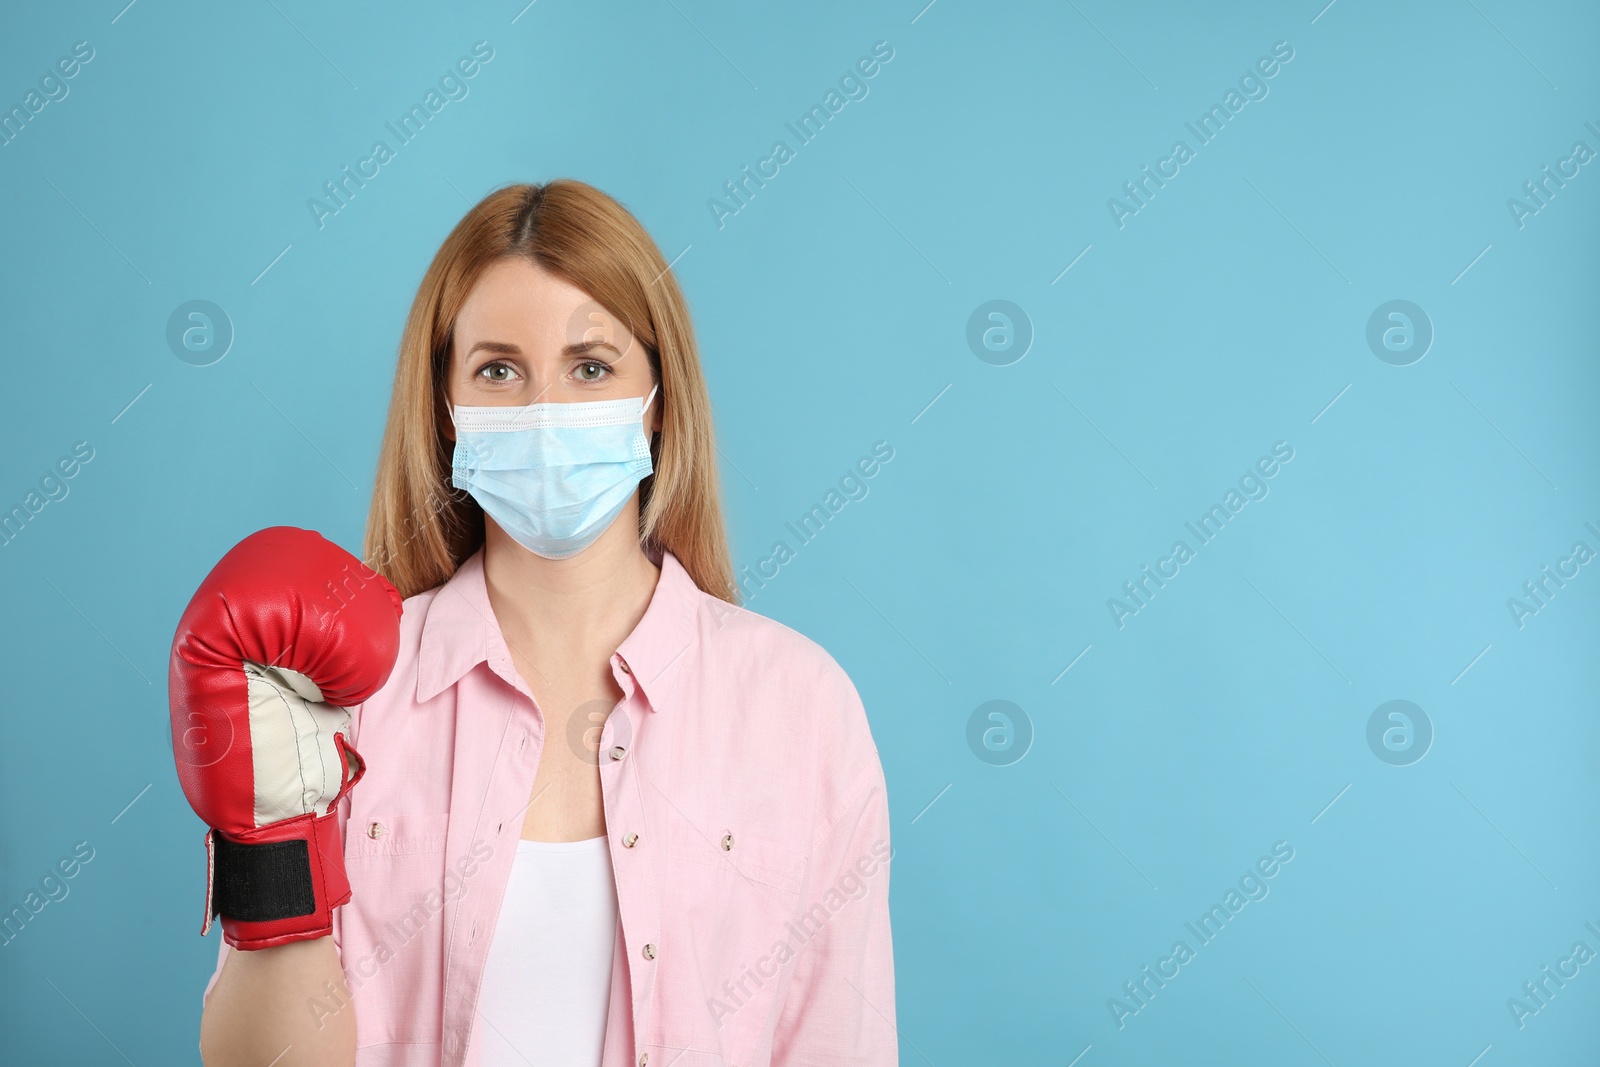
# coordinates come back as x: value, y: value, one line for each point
x: 441, y: 393
x: 447, y: 426
x: 654, y: 417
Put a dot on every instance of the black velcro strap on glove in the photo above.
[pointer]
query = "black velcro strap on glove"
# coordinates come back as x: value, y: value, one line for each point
x: 261, y: 883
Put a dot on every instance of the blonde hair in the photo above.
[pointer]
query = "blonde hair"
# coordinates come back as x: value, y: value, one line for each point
x: 420, y: 529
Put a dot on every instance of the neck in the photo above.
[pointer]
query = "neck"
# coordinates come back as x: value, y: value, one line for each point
x: 575, y: 609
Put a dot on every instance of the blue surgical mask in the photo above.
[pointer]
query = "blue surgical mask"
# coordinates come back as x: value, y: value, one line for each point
x: 554, y: 476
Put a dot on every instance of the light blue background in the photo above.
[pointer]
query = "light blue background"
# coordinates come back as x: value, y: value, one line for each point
x: 1228, y: 314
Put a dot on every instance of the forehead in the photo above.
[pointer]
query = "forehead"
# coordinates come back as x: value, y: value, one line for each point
x: 518, y: 302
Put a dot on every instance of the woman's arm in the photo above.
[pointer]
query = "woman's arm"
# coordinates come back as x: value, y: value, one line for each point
x: 288, y: 1002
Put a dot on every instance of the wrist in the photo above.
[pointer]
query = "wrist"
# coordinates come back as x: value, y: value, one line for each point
x: 276, y: 884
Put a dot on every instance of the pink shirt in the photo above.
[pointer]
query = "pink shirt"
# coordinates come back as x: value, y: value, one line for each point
x: 747, y: 820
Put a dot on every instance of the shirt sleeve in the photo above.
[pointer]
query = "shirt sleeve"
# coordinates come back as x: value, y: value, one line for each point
x: 838, y: 1009
x: 222, y: 957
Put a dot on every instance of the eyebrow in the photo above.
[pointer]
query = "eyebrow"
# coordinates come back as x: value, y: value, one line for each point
x: 504, y: 348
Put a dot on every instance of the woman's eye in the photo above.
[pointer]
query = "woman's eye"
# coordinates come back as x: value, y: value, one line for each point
x: 497, y: 372
x: 590, y: 371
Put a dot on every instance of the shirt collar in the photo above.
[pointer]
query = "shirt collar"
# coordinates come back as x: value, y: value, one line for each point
x: 460, y: 632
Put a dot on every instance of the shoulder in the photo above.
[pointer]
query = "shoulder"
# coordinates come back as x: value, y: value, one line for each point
x: 401, y: 686
x: 737, y: 639
x: 413, y: 613
x: 797, y: 679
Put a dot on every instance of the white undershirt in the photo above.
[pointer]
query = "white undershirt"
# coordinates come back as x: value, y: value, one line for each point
x: 547, y: 982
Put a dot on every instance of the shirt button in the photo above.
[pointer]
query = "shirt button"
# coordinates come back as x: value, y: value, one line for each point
x: 727, y: 842
x: 644, y: 1059
x: 624, y: 665
x: 375, y: 831
x: 618, y: 752
x: 630, y: 839
x: 650, y: 952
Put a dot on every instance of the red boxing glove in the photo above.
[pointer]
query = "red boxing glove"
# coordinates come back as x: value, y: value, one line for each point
x: 286, y: 633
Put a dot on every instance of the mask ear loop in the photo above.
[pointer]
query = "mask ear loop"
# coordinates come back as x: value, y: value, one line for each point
x: 649, y: 437
x: 647, y: 401
x: 455, y: 444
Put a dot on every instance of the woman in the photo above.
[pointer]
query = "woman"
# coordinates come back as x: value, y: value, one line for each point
x: 606, y: 817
